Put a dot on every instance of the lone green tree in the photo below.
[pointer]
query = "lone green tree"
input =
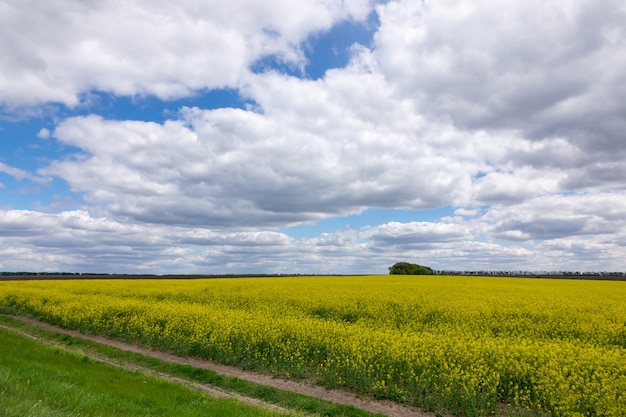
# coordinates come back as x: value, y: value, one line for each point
x: 406, y: 268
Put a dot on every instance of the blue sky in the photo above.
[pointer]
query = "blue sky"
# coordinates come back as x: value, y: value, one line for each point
x: 312, y: 137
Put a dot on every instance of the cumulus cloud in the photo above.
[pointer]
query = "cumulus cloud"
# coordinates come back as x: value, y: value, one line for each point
x: 550, y: 70
x: 53, y: 52
x: 330, y: 147
x: 559, y: 216
x: 417, y: 235
x: 78, y: 241
x: 43, y: 133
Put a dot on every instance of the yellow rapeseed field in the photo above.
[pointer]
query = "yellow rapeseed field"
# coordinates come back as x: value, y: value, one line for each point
x: 455, y: 344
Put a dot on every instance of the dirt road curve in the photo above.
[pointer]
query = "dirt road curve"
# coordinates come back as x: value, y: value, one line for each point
x: 386, y: 408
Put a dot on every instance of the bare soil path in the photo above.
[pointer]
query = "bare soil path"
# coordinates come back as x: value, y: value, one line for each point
x: 386, y: 408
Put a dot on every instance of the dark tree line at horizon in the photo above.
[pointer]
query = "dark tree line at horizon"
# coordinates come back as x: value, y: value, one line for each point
x: 400, y: 268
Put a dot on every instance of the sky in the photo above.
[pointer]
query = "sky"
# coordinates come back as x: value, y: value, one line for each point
x: 312, y: 136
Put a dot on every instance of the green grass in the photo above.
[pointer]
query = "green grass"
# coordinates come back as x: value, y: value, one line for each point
x: 63, y: 369
x: 40, y: 380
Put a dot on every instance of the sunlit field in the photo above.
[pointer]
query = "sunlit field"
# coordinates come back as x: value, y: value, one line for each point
x: 465, y: 345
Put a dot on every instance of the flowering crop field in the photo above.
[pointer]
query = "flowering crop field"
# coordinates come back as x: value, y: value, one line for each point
x: 463, y: 345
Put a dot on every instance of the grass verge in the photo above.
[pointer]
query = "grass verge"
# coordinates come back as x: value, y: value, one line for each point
x: 40, y: 380
x: 35, y: 377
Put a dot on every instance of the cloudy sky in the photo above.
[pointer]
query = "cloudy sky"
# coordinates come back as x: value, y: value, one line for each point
x: 312, y: 136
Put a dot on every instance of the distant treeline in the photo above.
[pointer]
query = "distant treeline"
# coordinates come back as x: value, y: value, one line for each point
x: 22, y: 273
x: 94, y: 275
x: 542, y: 274
x: 27, y: 275
x: 83, y: 274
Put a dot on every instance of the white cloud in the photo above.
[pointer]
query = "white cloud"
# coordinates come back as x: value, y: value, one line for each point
x: 20, y: 174
x: 78, y: 241
x: 418, y: 234
x: 56, y: 52
x: 43, y: 133
x: 318, y: 149
x: 554, y: 69
x: 560, y: 216
x: 515, y: 186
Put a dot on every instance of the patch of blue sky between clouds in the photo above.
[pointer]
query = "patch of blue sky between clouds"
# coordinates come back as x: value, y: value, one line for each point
x: 24, y: 151
x: 332, y: 49
x: 49, y: 197
x: 371, y: 217
x: 22, y: 148
x: 324, y: 51
x: 152, y: 109
x: 25, y: 147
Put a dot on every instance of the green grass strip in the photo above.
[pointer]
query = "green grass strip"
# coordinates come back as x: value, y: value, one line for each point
x: 281, y: 398
x: 40, y: 380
